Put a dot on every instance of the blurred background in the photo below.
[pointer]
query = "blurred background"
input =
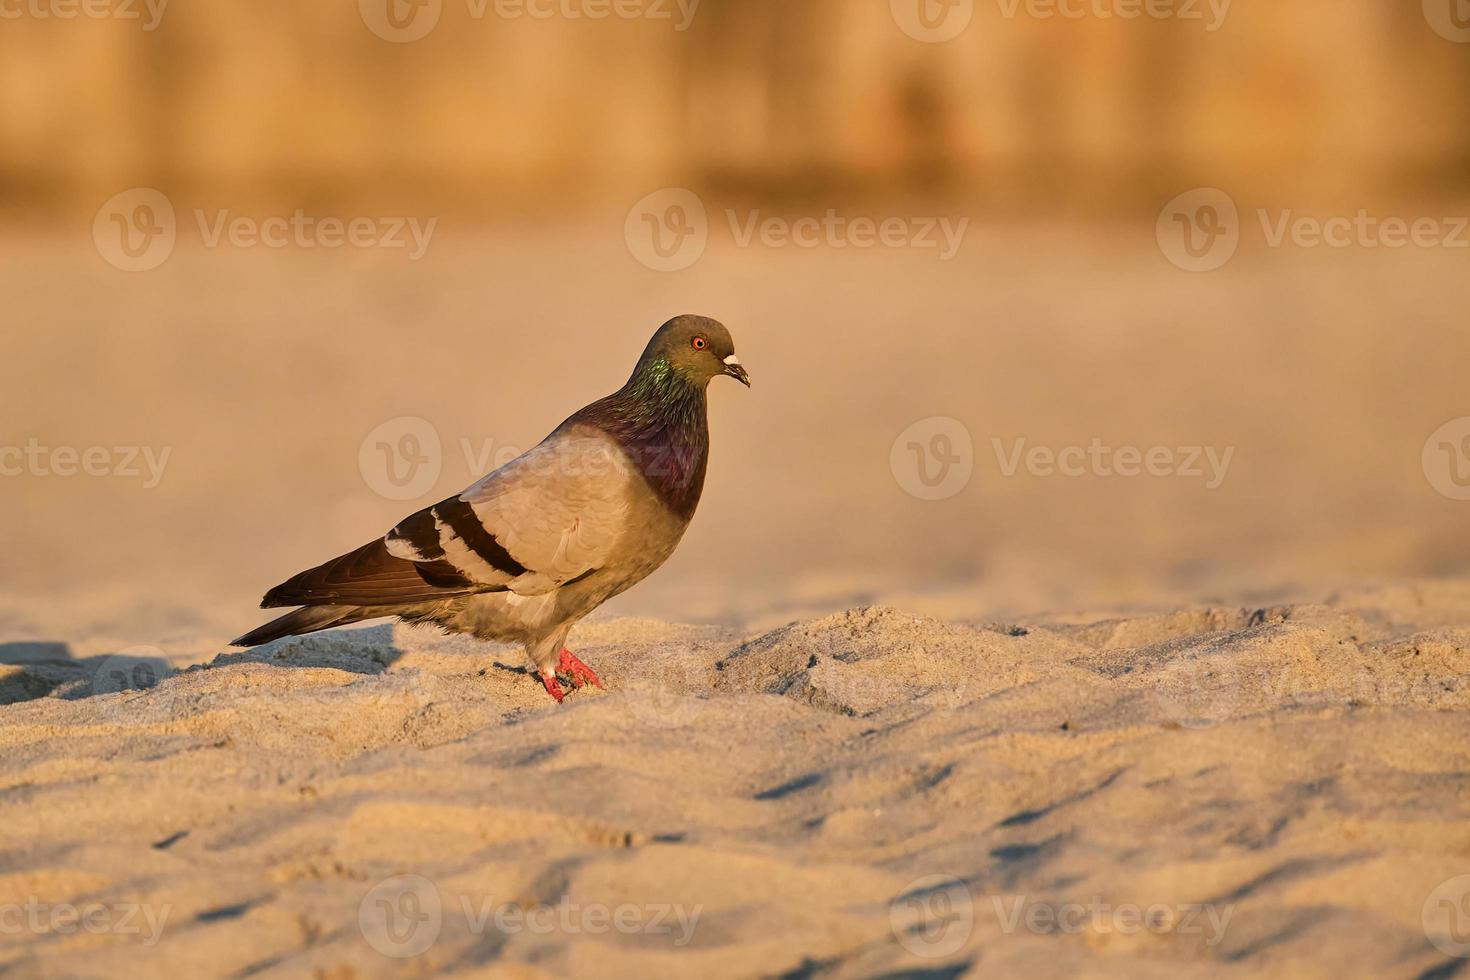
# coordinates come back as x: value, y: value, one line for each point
x: 537, y: 185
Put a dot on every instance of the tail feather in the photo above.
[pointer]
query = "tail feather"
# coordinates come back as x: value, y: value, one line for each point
x: 370, y: 576
x: 302, y: 621
x: 362, y: 584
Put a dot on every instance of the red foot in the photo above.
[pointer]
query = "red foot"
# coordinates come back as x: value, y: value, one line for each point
x: 552, y: 687
x: 579, y: 672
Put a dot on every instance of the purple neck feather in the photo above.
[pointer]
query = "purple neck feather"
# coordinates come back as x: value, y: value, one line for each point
x: 659, y: 418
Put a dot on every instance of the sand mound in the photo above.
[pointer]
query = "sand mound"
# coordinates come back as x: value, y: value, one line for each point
x: 1212, y: 791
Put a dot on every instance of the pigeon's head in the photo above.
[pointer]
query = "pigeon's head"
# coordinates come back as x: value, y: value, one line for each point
x: 698, y: 348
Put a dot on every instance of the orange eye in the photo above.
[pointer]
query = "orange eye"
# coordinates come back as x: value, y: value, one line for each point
x: 700, y: 343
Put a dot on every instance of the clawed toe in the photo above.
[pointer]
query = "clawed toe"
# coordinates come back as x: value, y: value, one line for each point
x: 576, y: 672
x: 579, y: 672
x: 552, y: 687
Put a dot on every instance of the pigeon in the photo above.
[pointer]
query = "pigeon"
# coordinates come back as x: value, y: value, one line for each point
x: 532, y: 547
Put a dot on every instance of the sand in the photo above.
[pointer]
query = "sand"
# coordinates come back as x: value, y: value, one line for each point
x: 1048, y: 726
x: 1209, y: 791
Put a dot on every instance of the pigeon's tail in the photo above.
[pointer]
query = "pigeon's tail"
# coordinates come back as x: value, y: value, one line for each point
x: 307, y: 620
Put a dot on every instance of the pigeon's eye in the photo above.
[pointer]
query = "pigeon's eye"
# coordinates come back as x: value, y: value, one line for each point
x: 700, y: 343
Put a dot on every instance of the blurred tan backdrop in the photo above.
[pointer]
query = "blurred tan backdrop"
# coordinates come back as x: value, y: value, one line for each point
x: 298, y: 101
x: 1061, y: 317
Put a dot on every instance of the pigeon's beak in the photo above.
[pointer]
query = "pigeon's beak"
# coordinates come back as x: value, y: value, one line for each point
x: 736, y: 370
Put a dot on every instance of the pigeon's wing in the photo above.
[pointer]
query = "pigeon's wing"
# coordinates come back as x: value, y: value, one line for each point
x: 370, y: 576
x: 547, y: 517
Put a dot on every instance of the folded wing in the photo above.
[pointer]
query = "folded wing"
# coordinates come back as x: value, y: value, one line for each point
x: 544, y: 519
x: 370, y: 576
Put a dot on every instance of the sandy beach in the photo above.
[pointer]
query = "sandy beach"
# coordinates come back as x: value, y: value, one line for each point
x: 1210, y: 791
x: 1045, y: 726
x: 1079, y: 586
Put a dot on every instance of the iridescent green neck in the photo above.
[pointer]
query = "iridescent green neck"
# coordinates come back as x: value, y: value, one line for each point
x: 657, y: 384
x: 659, y: 418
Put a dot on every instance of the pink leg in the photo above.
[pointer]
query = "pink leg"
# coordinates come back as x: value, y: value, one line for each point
x: 578, y: 671
x: 552, y: 687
